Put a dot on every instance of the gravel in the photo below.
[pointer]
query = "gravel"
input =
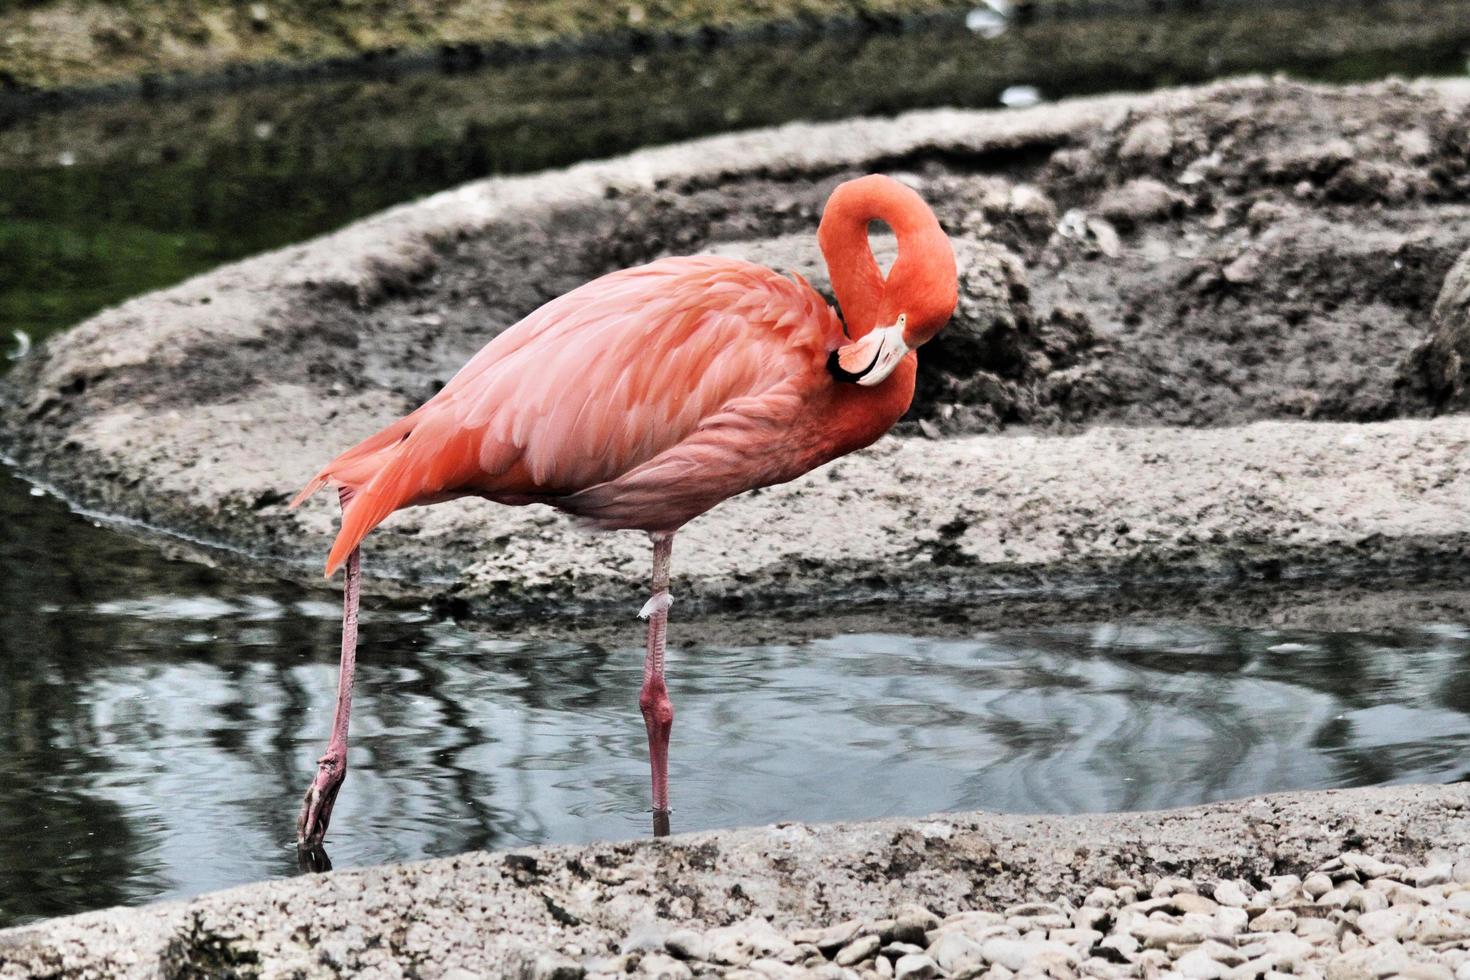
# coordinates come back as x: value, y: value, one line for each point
x: 976, y: 895
x: 1356, y: 915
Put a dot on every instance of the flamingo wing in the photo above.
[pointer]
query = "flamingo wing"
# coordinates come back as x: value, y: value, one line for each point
x: 594, y: 385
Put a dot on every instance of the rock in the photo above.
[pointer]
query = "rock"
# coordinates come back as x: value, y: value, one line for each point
x: 1368, y: 901
x: 1085, y: 938
x: 1186, y: 902
x: 858, y: 950
x: 1460, y: 873
x: 1274, y: 920
x: 1101, y: 897
x: 1317, y: 931
x: 1032, y: 909
x: 1033, y: 206
x: 973, y: 924
x: 1123, y: 943
x: 1198, y: 965
x: 543, y: 965
x: 1231, y: 893
x: 1231, y: 921
x: 1288, y: 951
x: 914, y: 966
x: 832, y: 938
x: 687, y: 944
x: 1371, y: 867
x: 1385, y: 924
x: 1019, y: 954
x: 1136, y: 203
x: 1437, y: 874
x: 1441, y: 364
x: 1150, y: 140
x: 955, y: 952
x: 755, y: 938
x: 1090, y: 917
x: 657, y: 966
x: 1246, y: 268
x: 1432, y: 926
x: 1317, y: 885
x: 1406, y: 895
x: 1156, y: 934
x: 894, y: 950
x: 1283, y: 887
x: 1165, y: 887
x: 830, y: 971
x: 912, y: 926
x: 648, y: 936
x: 1380, y: 960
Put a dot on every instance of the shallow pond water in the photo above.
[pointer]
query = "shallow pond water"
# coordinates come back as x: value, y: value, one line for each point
x: 161, y: 723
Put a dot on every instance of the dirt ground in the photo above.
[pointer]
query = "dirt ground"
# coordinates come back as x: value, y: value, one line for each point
x: 1163, y: 297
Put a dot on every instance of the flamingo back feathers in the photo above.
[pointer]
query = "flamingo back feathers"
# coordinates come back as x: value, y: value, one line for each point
x: 589, y: 387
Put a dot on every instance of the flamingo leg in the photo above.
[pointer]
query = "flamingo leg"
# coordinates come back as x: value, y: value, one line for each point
x: 653, y: 700
x: 316, y: 808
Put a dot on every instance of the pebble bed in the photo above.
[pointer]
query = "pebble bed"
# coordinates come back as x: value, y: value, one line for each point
x: 1356, y: 916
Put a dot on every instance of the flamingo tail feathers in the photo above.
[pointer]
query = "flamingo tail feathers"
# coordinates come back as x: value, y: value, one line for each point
x: 371, y: 472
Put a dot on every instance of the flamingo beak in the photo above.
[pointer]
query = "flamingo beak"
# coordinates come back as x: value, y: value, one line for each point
x: 871, y: 359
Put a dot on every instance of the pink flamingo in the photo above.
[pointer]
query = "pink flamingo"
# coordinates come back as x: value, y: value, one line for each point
x: 644, y: 398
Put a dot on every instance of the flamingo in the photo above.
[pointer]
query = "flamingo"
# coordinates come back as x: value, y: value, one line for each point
x: 644, y: 398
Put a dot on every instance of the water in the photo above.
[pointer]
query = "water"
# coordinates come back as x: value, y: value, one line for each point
x: 160, y: 723
x: 102, y: 201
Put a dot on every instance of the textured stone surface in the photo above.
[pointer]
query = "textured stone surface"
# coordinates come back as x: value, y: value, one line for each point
x: 200, y: 409
x: 750, y: 896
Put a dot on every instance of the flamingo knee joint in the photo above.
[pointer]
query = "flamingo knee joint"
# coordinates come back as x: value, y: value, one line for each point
x: 657, y: 603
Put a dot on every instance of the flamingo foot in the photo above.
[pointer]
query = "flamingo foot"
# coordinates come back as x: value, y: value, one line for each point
x: 657, y: 603
x: 321, y: 796
x: 658, y: 719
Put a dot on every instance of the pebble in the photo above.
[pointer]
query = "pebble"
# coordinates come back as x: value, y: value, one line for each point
x: 954, y: 952
x: 687, y: 944
x: 658, y: 966
x: 1359, y: 916
x: 1231, y: 922
x: 1192, y: 902
x: 1371, y: 867
x: 1317, y: 884
x: 1437, y: 874
x: 1230, y: 893
x: 1198, y: 965
x: 1385, y: 924
x: 915, y: 966
x: 1018, y: 954
x: 858, y: 950
x: 1274, y: 920
x: 831, y: 938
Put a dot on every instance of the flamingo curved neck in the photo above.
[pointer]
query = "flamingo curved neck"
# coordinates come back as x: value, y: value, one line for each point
x: 843, y: 237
